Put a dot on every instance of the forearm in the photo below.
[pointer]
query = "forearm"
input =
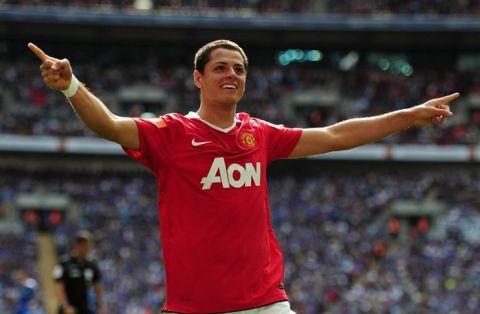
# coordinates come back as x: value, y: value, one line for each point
x: 351, y: 133
x: 99, y: 294
x: 93, y: 112
x: 58, y: 75
x: 97, y: 117
x: 61, y: 295
x: 360, y: 131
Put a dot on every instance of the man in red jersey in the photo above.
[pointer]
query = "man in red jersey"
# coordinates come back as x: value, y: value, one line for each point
x: 219, y: 248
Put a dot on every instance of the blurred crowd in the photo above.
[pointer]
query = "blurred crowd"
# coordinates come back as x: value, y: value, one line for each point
x: 369, y: 7
x: 339, y: 258
x: 28, y: 107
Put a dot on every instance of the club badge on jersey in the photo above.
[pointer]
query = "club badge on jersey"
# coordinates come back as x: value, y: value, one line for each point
x: 247, y: 139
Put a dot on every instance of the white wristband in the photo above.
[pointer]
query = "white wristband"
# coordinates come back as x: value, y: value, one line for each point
x: 72, y: 89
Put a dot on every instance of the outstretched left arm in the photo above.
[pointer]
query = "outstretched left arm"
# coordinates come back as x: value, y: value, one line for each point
x: 360, y: 131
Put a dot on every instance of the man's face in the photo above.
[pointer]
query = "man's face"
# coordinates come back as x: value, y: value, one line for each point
x: 82, y: 248
x: 223, y: 80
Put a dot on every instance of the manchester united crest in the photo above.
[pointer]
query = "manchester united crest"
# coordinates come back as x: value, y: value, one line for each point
x: 248, y: 139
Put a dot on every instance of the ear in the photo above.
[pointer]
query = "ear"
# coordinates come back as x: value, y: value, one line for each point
x: 197, y: 79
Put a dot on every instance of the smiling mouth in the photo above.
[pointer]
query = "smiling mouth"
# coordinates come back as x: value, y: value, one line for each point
x: 229, y: 87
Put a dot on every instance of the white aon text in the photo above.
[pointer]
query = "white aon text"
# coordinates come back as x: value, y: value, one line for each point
x: 234, y: 175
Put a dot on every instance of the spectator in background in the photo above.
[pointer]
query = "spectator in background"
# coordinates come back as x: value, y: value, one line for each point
x: 220, y: 251
x: 76, y: 276
x: 26, y: 293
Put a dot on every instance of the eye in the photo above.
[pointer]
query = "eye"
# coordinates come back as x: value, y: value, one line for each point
x: 239, y: 70
x: 219, y: 68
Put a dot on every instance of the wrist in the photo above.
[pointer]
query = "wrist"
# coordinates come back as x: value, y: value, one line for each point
x: 409, y: 116
x: 72, y: 88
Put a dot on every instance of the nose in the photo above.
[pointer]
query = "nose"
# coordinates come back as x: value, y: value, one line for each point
x: 231, y: 72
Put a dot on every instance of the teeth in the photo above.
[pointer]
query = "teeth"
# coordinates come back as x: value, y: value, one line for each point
x: 229, y: 86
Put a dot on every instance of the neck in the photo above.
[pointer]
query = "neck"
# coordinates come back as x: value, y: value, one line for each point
x: 220, y: 116
x: 78, y: 257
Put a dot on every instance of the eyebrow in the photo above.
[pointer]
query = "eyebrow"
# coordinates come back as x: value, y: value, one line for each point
x: 224, y: 63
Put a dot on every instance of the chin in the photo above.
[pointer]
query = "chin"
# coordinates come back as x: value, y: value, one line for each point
x: 231, y: 101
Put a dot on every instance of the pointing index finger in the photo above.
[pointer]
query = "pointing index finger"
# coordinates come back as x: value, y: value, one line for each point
x: 450, y: 97
x: 38, y: 52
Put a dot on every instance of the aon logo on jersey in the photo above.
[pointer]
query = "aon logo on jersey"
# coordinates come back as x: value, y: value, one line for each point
x: 234, y: 175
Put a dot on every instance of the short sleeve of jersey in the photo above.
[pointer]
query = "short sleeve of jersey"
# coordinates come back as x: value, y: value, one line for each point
x: 97, y: 275
x: 281, y: 140
x: 152, y: 153
x: 58, y: 272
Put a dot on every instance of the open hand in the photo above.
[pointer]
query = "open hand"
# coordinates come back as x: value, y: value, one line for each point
x: 56, y: 73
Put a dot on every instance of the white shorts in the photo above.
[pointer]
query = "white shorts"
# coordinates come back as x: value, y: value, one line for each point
x: 275, y: 308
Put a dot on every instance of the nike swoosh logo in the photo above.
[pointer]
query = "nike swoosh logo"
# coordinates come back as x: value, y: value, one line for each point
x: 194, y: 143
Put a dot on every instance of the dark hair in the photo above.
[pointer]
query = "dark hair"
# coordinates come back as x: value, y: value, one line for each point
x: 203, y: 54
x: 83, y: 236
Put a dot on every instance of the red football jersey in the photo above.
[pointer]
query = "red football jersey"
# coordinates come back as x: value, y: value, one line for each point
x: 219, y: 248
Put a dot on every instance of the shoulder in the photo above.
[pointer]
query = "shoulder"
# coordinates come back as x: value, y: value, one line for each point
x: 246, y: 119
x: 60, y: 268
x: 90, y: 263
x: 64, y: 259
x: 161, y: 121
x: 173, y: 117
x: 93, y: 270
x: 257, y: 122
x: 171, y: 120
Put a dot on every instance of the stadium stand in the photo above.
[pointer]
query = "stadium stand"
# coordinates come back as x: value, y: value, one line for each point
x: 371, y: 7
x: 275, y: 93
x: 327, y: 227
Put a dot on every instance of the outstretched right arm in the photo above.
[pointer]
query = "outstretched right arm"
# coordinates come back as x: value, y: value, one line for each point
x: 57, y: 74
